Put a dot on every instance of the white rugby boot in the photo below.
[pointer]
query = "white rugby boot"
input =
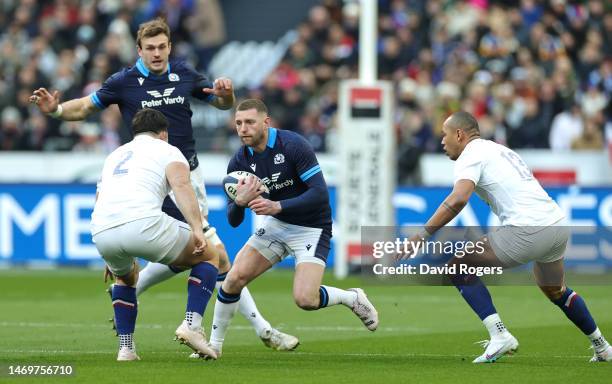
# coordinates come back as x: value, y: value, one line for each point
x: 196, y: 340
x: 127, y: 354
x: 279, y: 341
x: 603, y: 356
x: 363, y: 308
x: 504, y: 344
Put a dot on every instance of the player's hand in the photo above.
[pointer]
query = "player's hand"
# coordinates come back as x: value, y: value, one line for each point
x: 247, y: 190
x: 45, y: 101
x: 108, y: 275
x: 200, y: 243
x: 410, y: 251
x: 222, y: 87
x: 263, y: 206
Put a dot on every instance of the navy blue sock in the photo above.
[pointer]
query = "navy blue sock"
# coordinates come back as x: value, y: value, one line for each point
x: 576, y: 310
x: 475, y: 294
x: 126, y: 308
x: 323, y: 297
x: 200, y: 286
x: 227, y: 298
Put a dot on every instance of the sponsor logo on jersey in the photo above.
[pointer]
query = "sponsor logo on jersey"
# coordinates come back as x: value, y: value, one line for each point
x: 279, y: 158
x: 162, y: 98
x: 253, y: 166
x: 173, y: 77
x: 140, y: 80
x: 273, y: 183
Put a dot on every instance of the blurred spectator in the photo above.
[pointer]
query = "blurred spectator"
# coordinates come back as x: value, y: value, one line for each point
x: 537, y: 73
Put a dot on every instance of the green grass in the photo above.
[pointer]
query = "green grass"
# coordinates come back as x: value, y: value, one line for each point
x: 426, y: 335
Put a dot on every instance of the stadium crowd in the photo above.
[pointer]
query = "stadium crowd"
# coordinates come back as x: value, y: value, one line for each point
x: 537, y: 74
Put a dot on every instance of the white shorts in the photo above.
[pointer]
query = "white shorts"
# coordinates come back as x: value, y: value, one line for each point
x: 517, y: 245
x: 159, y: 239
x: 275, y: 240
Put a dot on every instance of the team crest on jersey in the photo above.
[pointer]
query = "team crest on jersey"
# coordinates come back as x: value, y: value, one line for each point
x: 279, y: 158
x: 173, y: 77
x: 253, y: 166
x: 140, y: 80
x: 260, y: 232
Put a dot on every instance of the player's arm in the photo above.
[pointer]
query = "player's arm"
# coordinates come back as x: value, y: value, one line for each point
x: 451, y: 206
x: 177, y: 174
x: 76, y: 109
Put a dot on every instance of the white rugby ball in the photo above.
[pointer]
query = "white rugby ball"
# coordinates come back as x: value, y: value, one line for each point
x: 230, y: 183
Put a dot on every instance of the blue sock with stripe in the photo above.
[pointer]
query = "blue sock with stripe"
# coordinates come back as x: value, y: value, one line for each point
x: 475, y: 294
x: 576, y: 310
x: 200, y: 286
x: 126, y: 310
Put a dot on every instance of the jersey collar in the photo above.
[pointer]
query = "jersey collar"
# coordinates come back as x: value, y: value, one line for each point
x: 271, y: 139
x: 144, y: 70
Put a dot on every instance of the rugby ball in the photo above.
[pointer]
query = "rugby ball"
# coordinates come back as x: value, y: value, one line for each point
x: 230, y: 184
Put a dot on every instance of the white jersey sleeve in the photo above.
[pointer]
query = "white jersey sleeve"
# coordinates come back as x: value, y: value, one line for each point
x: 506, y: 184
x: 469, y: 167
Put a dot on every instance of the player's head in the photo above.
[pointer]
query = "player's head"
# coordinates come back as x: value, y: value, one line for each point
x: 153, y: 40
x: 252, y: 122
x: 458, y: 130
x: 150, y: 121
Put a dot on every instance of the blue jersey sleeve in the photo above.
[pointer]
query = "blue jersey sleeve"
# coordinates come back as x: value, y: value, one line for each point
x: 200, y: 82
x: 110, y: 93
x: 309, y: 171
x: 304, y: 157
x: 235, y: 213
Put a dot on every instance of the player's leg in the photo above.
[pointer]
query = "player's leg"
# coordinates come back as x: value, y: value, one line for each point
x: 249, y: 264
x: 125, y: 307
x: 477, y: 296
x: 550, y: 279
x: 311, y: 248
x: 123, y: 293
x: 200, y: 286
x: 246, y: 306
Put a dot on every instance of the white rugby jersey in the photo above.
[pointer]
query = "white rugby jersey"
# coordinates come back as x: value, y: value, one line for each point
x: 133, y: 184
x: 506, y: 184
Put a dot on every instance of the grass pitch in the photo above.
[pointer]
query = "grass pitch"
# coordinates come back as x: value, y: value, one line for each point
x: 426, y: 335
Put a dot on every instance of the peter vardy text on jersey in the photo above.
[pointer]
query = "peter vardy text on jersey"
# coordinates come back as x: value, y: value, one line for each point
x: 163, y: 101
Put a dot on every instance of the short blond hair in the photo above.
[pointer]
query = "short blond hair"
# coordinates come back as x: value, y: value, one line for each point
x: 152, y: 28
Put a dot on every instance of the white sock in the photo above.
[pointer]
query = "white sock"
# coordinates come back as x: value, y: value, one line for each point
x: 194, y: 320
x: 248, y: 309
x: 598, y: 341
x: 494, y: 325
x: 337, y: 296
x: 153, y: 273
x: 221, y: 320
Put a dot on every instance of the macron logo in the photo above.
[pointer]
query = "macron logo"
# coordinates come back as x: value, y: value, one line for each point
x: 156, y: 94
x: 140, y: 80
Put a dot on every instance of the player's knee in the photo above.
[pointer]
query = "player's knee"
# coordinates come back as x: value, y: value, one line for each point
x: 224, y: 263
x: 235, y: 281
x: 306, y: 301
x: 553, y: 292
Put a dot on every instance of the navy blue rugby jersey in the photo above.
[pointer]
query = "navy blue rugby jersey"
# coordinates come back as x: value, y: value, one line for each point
x: 135, y: 88
x: 285, y: 166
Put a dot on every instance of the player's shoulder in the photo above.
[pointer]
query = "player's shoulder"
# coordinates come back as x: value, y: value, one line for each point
x: 119, y: 76
x: 181, y: 67
x: 292, y: 140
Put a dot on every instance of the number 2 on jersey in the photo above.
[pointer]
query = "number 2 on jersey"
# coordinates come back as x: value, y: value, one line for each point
x: 122, y: 171
x: 518, y: 164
